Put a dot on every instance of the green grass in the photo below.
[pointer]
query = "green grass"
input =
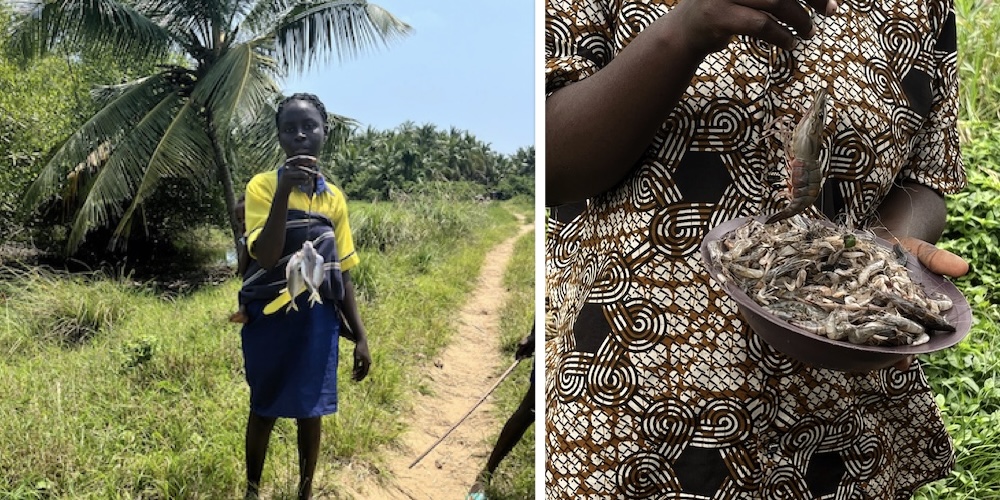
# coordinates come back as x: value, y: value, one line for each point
x: 978, y: 23
x: 966, y: 377
x: 150, y: 402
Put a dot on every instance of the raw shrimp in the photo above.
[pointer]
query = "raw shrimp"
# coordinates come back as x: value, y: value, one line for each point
x: 802, y: 148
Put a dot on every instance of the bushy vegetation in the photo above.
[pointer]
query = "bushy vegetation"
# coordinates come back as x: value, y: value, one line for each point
x: 373, y: 164
x: 36, y: 115
x: 978, y: 23
x: 966, y: 378
x: 151, y: 401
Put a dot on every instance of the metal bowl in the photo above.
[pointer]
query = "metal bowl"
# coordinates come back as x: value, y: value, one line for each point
x: 839, y: 355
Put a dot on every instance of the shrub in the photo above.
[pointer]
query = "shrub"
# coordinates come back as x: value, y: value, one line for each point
x: 66, y: 309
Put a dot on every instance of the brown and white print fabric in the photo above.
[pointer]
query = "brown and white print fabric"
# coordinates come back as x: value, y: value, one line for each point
x: 655, y: 387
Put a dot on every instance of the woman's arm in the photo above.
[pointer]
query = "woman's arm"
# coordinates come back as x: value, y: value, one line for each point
x: 362, y: 357
x: 598, y: 128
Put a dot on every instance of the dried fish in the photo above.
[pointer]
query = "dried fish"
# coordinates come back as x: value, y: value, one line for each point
x: 305, y: 272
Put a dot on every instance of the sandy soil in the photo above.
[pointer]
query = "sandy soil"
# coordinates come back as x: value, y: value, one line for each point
x: 458, y: 378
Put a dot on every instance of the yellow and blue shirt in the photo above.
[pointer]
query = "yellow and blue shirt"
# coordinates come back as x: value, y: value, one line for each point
x: 329, y: 201
x: 320, y: 219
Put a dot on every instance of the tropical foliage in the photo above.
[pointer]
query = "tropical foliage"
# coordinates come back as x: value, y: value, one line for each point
x: 373, y: 164
x: 36, y: 114
x: 183, y: 120
x: 966, y: 378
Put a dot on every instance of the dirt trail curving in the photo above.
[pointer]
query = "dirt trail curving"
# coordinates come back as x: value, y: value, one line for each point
x: 458, y: 378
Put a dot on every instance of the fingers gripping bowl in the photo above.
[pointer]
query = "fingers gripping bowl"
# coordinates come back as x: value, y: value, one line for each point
x: 816, y: 350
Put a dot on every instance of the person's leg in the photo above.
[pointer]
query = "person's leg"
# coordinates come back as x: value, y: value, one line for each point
x: 512, y: 431
x: 258, y: 435
x: 308, y: 438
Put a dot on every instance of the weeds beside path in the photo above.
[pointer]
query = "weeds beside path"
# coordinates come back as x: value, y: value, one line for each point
x: 110, y: 389
x: 456, y: 380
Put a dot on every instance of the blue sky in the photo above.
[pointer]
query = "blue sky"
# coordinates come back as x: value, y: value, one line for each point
x: 467, y: 64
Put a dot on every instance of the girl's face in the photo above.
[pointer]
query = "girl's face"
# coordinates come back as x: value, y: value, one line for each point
x: 300, y: 129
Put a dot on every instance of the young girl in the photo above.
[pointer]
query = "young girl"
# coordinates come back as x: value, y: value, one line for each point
x: 291, y: 355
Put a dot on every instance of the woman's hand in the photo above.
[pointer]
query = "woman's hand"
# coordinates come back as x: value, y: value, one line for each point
x: 598, y: 128
x: 709, y: 25
x: 914, y: 215
x: 936, y: 260
x: 362, y: 361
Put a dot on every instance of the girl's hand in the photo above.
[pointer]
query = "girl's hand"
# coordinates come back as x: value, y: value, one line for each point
x: 362, y: 361
x: 296, y: 171
x: 709, y: 25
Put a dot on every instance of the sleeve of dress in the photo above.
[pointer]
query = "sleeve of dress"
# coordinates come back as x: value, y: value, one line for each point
x: 578, y: 40
x: 259, y: 194
x: 342, y: 231
x: 936, y: 160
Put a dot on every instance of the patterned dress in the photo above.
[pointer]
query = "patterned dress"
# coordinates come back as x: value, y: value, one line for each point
x: 655, y: 388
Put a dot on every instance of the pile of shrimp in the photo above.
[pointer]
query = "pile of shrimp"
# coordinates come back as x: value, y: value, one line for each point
x: 830, y: 281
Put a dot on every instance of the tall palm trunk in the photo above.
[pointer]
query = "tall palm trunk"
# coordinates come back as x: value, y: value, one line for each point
x: 224, y: 175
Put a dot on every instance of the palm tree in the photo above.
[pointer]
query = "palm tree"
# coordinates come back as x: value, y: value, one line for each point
x: 226, y: 58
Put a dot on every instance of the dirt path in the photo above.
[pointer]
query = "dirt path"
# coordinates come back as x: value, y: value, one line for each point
x: 458, y: 378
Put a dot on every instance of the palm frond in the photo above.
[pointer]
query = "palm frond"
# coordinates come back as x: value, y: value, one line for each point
x: 76, y: 24
x: 339, y: 29
x: 256, y: 139
x: 264, y: 15
x: 180, y: 24
x: 215, y: 11
x: 339, y: 129
x: 127, y: 105
x: 118, y: 180
x: 196, y: 22
x: 241, y: 81
x: 183, y: 150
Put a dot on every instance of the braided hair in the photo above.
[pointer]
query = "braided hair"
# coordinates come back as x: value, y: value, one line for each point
x: 311, y: 98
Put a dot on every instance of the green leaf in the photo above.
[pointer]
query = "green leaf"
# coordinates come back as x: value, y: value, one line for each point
x: 80, y: 24
x: 333, y: 30
x: 184, y: 150
x: 107, y: 125
x: 117, y: 181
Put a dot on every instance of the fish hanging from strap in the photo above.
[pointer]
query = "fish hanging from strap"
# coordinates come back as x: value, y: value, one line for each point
x: 305, y: 272
x: 272, y: 284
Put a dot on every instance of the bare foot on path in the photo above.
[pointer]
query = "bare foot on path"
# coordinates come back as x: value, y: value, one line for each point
x: 459, y: 377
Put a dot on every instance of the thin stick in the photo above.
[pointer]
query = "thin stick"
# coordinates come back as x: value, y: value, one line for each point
x: 495, y: 385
